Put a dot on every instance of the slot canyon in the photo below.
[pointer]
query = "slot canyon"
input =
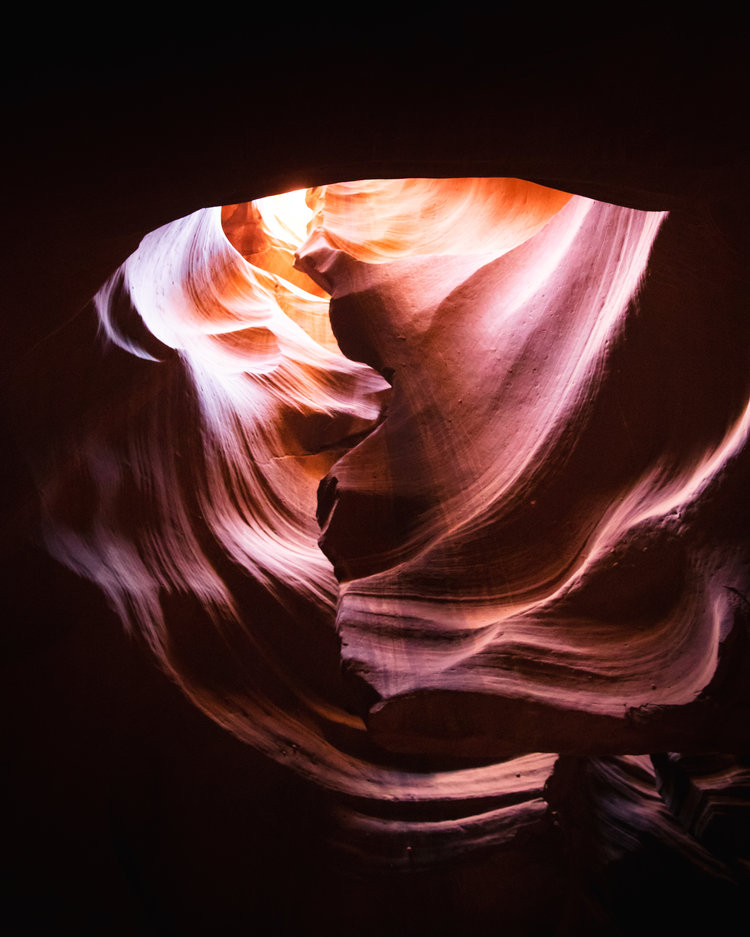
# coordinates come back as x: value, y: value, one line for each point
x: 375, y: 553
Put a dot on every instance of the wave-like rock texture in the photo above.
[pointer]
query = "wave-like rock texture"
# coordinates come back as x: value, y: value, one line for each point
x: 519, y: 542
x: 525, y: 448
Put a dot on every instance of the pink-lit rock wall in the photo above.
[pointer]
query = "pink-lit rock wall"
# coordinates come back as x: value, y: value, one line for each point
x: 395, y: 622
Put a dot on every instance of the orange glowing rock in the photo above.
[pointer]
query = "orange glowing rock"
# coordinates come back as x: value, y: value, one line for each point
x: 381, y: 220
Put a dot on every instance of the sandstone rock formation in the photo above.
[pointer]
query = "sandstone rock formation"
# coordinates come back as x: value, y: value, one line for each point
x: 517, y: 559
x: 458, y: 576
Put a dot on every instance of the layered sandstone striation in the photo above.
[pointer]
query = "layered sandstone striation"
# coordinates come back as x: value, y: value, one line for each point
x: 427, y: 490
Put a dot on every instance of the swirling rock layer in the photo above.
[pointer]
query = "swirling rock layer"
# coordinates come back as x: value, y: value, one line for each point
x: 481, y: 517
x: 517, y: 563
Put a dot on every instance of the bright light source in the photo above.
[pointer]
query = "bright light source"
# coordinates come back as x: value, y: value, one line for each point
x: 286, y: 216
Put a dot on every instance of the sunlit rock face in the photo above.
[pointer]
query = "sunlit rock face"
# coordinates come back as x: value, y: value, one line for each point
x: 515, y: 528
x: 411, y: 486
